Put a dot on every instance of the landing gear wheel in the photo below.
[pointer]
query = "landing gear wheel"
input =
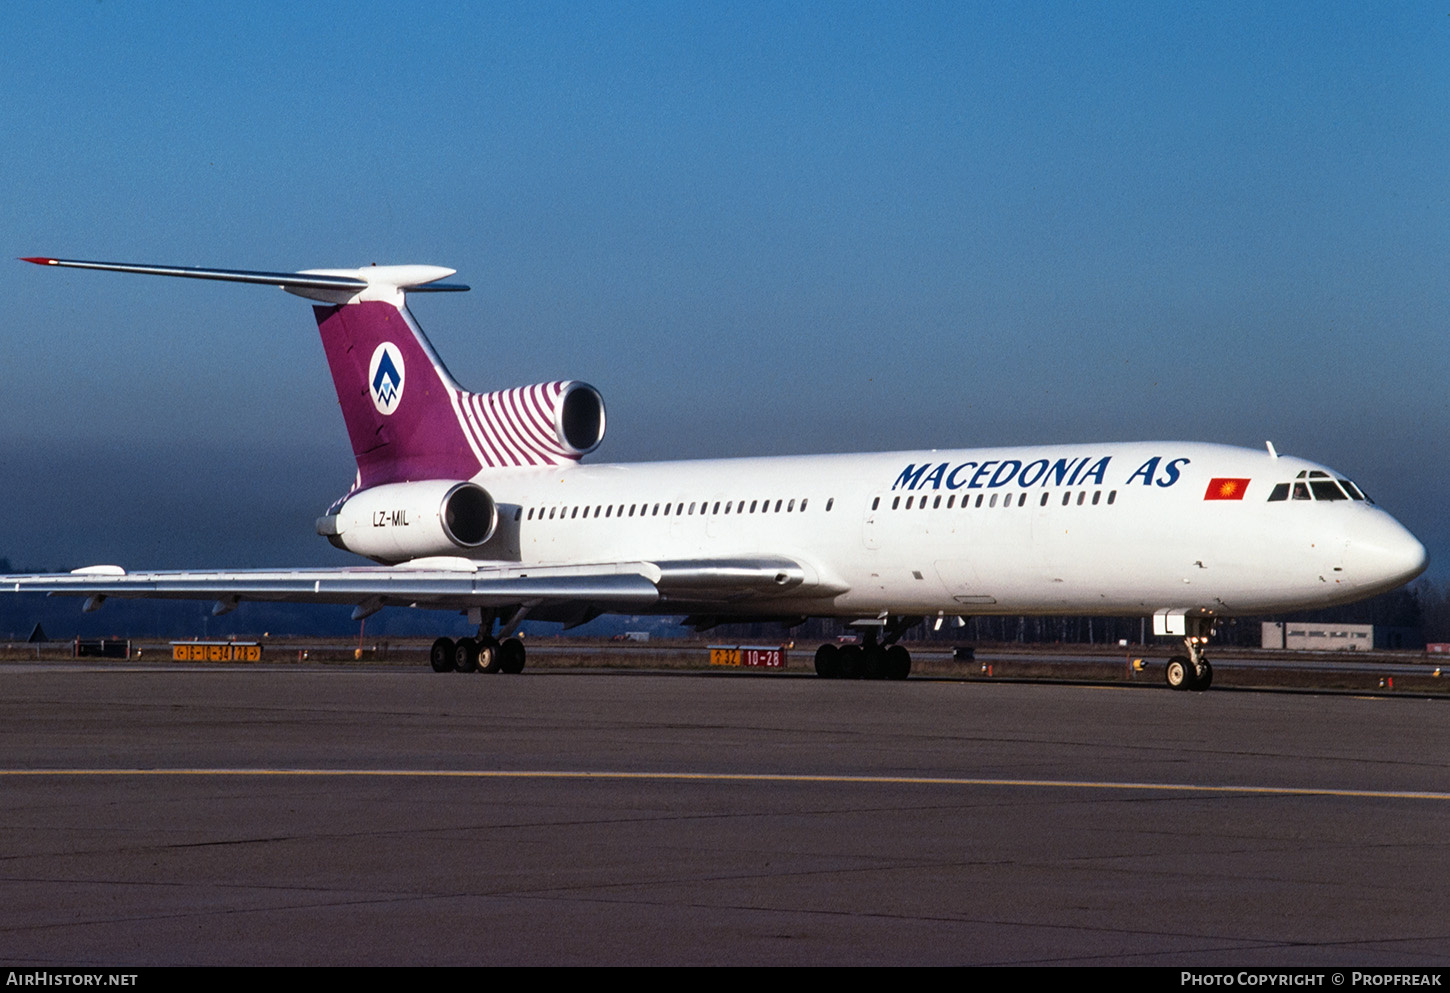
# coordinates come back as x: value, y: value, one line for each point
x: 851, y: 662
x: 488, y: 660
x: 440, y: 656
x: 465, y: 655
x: 898, y: 662
x: 1179, y: 672
x: 511, y: 656
x: 1203, y: 678
x: 828, y: 662
x: 873, y: 663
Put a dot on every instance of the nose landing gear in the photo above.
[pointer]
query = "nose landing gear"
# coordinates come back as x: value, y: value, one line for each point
x: 1192, y: 671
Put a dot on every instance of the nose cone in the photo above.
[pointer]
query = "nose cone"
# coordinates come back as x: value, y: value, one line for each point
x: 1381, y: 555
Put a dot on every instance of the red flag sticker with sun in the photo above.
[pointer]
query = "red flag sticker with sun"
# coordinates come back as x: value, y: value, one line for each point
x: 1226, y: 489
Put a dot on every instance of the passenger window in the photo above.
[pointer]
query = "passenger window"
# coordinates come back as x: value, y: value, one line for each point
x: 518, y: 514
x: 1022, y: 500
x: 1112, y: 496
x: 992, y: 502
x: 830, y: 503
x: 777, y: 506
x: 1044, y: 501
x: 790, y: 507
x: 1066, y: 499
x: 876, y: 503
x: 803, y: 504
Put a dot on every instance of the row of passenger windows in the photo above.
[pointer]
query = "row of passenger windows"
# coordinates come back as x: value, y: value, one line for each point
x: 929, y: 501
x: 1317, y: 485
x: 780, y: 506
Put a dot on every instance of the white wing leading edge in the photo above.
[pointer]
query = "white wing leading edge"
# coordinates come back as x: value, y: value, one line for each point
x: 549, y: 592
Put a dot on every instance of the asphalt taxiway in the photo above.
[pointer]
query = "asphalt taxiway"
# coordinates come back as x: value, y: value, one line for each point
x: 321, y: 815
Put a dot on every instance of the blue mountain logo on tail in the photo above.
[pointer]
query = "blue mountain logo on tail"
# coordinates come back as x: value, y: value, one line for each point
x: 385, y: 373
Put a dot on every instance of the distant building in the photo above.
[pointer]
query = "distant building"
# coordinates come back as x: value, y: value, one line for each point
x: 1323, y: 636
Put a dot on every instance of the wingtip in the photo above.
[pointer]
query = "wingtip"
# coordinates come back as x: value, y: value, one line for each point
x: 38, y: 260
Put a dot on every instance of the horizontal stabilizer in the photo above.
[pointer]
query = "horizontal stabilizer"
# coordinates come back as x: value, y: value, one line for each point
x: 328, y: 285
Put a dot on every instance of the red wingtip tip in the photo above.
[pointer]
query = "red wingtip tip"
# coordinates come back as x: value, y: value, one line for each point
x: 37, y: 260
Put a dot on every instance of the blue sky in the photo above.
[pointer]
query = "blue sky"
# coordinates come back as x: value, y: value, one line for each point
x: 756, y: 228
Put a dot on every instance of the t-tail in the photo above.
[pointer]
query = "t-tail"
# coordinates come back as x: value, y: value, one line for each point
x: 406, y: 417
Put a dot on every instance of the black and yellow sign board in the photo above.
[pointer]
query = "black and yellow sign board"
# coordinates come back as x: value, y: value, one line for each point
x: 216, y: 651
x: 748, y: 656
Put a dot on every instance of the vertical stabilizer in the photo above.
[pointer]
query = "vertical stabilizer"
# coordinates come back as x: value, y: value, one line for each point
x: 406, y: 417
x: 397, y: 399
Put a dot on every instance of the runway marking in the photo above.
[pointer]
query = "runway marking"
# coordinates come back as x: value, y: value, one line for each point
x: 747, y: 777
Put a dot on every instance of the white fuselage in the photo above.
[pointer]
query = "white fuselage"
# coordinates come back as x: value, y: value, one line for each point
x: 1118, y: 528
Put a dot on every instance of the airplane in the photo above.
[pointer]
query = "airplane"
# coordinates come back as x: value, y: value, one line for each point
x: 479, y: 503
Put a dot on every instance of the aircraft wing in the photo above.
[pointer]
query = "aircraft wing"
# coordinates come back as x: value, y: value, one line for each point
x: 549, y: 592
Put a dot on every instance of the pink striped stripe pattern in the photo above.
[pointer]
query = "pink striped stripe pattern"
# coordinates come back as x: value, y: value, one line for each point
x: 517, y: 427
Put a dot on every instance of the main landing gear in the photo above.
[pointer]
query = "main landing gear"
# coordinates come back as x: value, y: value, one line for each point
x: 482, y: 654
x: 1192, y: 671
x: 877, y: 657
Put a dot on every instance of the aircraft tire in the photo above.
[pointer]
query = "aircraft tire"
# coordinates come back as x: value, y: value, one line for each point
x: 828, y: 662
x: 488, y: 655
x: 873, y: 663
x: 1178, y: 672
x: 465, y: 655
x: 440, y: 656
x: 511, y: 656
x: 1203, y: 678
x: 898, y: 662
x: 851, y: 662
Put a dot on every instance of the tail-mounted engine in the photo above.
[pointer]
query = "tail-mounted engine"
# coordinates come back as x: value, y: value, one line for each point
x: 545, y: 424
x: 401, y: 521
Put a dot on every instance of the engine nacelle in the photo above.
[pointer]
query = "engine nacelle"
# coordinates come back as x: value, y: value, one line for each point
x: 544, y: 424
x: 401, y: 521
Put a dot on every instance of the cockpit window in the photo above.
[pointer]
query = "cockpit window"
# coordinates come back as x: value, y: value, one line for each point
x: 1316, y: 485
